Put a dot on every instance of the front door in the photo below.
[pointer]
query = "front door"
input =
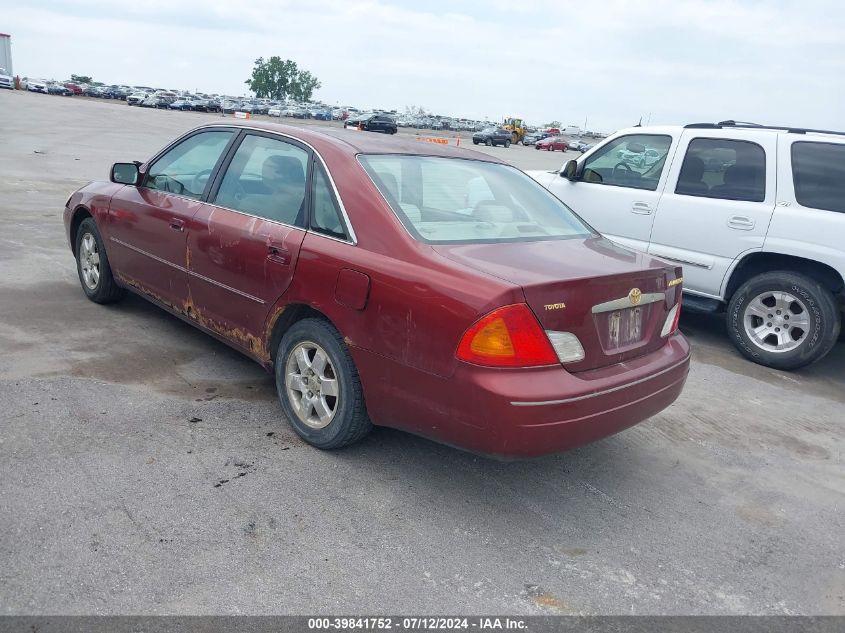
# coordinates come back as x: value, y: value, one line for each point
x: 244, y: 244
x: 619, y: 189
x: 717, y: 204
x: 148, y: 224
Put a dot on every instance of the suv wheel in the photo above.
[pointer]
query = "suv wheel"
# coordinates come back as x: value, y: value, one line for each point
x: 488, y: 142
x: 783, y: 320
x: 507, y: 143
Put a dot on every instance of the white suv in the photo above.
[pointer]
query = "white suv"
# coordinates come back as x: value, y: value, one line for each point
x: 755, y: 214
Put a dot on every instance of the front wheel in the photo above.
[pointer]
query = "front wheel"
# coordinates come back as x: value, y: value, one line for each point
x: 319, y: 387
x: 489, y: 142
x: 783, y: 320
x: 92, y: 265
x: 507, y: 143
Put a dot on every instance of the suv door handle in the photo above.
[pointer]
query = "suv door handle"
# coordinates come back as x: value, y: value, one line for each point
x: 278, y: 254
x: 641, y: 208
x: 177, y: 224
x: 741, y: 223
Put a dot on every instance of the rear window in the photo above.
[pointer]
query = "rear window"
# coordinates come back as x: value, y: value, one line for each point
x: 818, y: 173
x: 453, y: 200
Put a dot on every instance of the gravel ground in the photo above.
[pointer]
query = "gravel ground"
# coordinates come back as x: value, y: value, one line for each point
x: 147, y: 468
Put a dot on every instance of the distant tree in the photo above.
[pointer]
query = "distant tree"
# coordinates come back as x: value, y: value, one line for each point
x: 413, y: 110
x: 80, y: 79
x: 279, y: 78
x: 553, y: 124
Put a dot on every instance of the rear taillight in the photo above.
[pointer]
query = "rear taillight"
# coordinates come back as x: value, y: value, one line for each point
x: 671, y: 324
x: 507, y: 337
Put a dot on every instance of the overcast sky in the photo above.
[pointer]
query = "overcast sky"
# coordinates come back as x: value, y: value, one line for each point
x: 607, y: 62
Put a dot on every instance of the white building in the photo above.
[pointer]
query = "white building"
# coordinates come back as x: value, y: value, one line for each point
x: 6, y: 53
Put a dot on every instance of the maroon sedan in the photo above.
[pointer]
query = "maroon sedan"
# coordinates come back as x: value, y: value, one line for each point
x: 390, y: 282
x: 552, y: 143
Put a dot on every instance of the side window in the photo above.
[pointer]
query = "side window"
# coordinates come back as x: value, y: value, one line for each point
x: 186, y: 168
x: 818, y: 173
x: 266, y: 178
x: 326, y: 217
x: 724, y: 169
x: 633, y: 161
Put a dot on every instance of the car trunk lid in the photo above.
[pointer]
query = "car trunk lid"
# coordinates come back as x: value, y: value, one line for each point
x: 613, y: 299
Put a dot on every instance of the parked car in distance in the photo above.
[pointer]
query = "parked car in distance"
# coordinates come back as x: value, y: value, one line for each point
x: 75, y: 88
x: 577, y: 144
x: 552, y: 143
x: 180, y: 104
x: 156, y: 101
x: 762, y: 240
x: 532, y: 137
x: 364, y: 297
x: 6, y: 80
x: 275, y: 111
x: 36, y: 85
x: 136, y: 98
x: 492, y: 136
x: 55, y: 88
x: 373, y: 123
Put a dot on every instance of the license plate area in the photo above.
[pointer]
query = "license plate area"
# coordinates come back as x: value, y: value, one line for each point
x: 623, y: 328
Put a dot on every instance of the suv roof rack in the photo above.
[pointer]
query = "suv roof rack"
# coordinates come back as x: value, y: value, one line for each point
x: 745, y: 124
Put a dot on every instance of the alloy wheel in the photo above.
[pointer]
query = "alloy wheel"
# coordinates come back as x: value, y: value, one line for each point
x: 776, y: 321
x: 89, y: 261
x: 312, y: 385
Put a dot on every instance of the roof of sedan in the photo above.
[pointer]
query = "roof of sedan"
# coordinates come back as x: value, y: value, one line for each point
x: 364, y: 142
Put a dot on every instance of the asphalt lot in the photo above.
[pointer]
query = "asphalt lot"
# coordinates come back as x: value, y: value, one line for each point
x: 118, y: 424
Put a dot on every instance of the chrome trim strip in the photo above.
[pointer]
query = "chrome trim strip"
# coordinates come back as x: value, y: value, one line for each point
x: 625, y: 302
x: 189, y: 272
x: 225, y: 287
x: 351, y: 229
x: 683, y: 261
x: 599, y: 393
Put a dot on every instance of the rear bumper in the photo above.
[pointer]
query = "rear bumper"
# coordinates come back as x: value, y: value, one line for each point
x: 529, y: 412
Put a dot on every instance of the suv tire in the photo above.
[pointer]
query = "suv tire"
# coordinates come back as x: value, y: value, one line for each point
x: 763, y: 313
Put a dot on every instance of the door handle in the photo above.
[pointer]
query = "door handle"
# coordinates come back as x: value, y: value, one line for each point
x: 278, y: 254
x: 741, y: 223
x: 641, y: 208
x: 177, y: 225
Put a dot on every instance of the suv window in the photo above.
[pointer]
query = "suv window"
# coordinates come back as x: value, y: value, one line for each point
x: 266, y: 178
x: 635, y: 160
x: 818, y: 173
x: 185, y: 169
x: 724, y: 169
x: 326, y: 218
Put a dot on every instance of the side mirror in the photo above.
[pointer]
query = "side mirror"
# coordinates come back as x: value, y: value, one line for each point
x: 570, y: 171
x: 124, y: 173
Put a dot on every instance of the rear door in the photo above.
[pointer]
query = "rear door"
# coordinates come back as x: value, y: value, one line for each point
x: 617, y: 195
x: 244, y: 245
x: 717, y: 204
x: 149, y: 223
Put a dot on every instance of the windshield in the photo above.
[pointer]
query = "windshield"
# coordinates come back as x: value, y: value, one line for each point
x: 454, y: 200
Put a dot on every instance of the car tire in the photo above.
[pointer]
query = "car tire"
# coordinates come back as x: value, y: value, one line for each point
x: 489, y: 142
x: 474, y: 142
x: 92, y: 265
x: 507, y: 143
x: 800, y: 299
x: 296, y: 370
